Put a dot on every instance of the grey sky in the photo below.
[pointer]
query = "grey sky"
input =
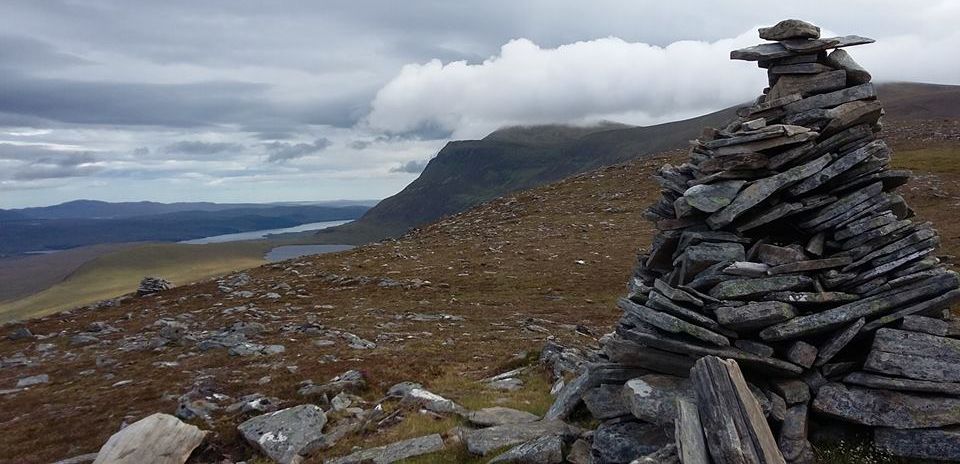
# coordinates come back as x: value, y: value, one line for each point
x: 243, y: 100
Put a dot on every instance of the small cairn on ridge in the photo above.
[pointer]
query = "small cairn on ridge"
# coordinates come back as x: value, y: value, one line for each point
x: 783, y: 246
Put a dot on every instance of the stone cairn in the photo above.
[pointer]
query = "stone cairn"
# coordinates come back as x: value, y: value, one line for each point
x: 783, y: 249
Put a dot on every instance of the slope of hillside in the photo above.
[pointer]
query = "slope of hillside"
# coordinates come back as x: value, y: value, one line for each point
x: 469, y: 172
x: 447, y: 305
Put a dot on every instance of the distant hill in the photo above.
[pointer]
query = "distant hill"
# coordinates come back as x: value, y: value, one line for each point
x: 93, y: 209
x: 19, y: 234
x: 465, y: 173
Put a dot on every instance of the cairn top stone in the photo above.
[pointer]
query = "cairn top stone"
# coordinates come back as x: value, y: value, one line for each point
x: 790, y: 29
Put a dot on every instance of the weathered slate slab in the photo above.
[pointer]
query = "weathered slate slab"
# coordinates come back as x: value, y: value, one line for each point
x: 838, y: 167
x: 800, y: 68
x: 711, y: 197
x: 593, y: 375
x: 764, y: 133
x: 605, y: 402
x: 158, y: 438
x: 763, y: 189
x: 767, y: 51
x: 746, y: 288
x: 866, y: 379
x: 755, y: 315
x: 831, y: 99
x: 676, y: 294
x: 939, y: 444
x: 809, y: 84
x: 810, y: 265
x: 632, y: 354
x: 747, y: 269
x: 882, y: 408
x: 661, y: 303
x: 688, y: 434
x: 817, y: 45
x: 802, y: 353
x: 838, y: 342
x: 670, y: 323
x: 941, y: 302
x: 767, y: 144
x: 927, y: 325
x: 835, y: 317
x: 914, y: 355
x: 764, y: 363
x: 733, y: 423
x: 773, y: 255
x: 283, y: 434
x: 622, y: 442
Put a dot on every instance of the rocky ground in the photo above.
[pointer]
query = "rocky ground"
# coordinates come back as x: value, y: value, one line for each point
x: 459, y: 301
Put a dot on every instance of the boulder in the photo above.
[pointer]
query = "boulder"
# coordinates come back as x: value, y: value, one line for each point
x: 158, y: 438
x: 499, y: 415
x: 282, y: 435
x: 652, y: 398
x: 790, y: 29
x: 622, y: 442
x: 882, y: 408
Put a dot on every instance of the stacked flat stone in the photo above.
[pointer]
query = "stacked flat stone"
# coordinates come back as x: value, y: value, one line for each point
x: 783, y: 245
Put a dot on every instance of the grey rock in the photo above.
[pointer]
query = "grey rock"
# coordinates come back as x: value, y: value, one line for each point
x: 811, y: 298
x: 866, y: 379
x: 747, y: 288
x: 158, y: 438
x: 393, y: 452
x: 793, y: 391
x: 802, y: 353
x: 402, y: 389
x: 151, y: 285
x: 817, y: 45
x: 755, y: 315
x: 593, y: 375
x: 543, y: 450
x: 790, y: 29
x: 580, y: 452
x: 939, y: 444
x: 856, y: 74
x: 799, y: 68
x: 20, y: 333
x: 831, y: 99
x: 282, y: 435
x: 914, y: 355
x: 32, y: 380
x: 926, y: 325
x: 688, y: 434
x: 432, y: 401
x: 83, y: 340
x: 793, y: 441
x: 711, y: 197
x: 756, y: 348
x: 882, y: 408
x: 498, y: 415
x: 841, y: 165
x: 652, y: 398
x: 622, y: 442
x: 483, y: 441
x: 773, y: 255
x: 80, y: 459
x: 809, y: 84
x: 606, y: 402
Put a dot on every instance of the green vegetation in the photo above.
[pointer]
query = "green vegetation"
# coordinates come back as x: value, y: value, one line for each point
x: 118, y: 272
x: 945, y: 159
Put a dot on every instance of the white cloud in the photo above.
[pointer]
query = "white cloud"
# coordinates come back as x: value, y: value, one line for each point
x: 612, y: 79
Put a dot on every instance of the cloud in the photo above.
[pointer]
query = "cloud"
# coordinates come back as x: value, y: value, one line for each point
x: 195, y: 147
x: 412, y: 167
x: 279, y: 152
x: 600, y: 79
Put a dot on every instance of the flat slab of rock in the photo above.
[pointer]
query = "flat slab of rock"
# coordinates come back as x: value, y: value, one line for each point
x: 543, y: 450
x: 672, y: 324
x: 499, y: 415
x: 866, y: 379
x: 914, y: 355
x: 755, y: 315
x: 711, y: 197
x: 746, y: 288
x: 282, y: 435
x: 159, y: 438
x: 883, y: 408
x: 483, y: 441
x: 394, y: 452
x: 938, y: 444
x: 652, y: 398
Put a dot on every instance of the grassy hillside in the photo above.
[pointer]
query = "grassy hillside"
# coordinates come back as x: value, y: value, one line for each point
x: 118, y: 272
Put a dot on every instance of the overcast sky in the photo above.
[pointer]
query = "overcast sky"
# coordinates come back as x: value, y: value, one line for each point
x: 253, y: 101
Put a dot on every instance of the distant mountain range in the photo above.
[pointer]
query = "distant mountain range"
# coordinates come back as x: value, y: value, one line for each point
x: 85, y: 222
x: 469, y: 172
